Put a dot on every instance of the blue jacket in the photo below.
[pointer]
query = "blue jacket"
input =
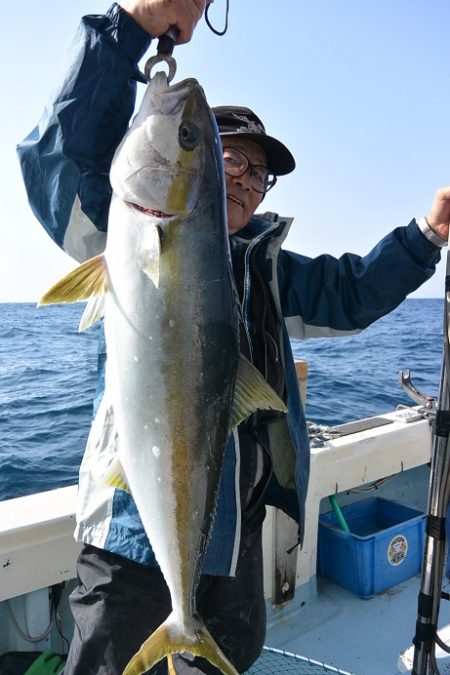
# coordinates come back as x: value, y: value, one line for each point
x: 65, y: 163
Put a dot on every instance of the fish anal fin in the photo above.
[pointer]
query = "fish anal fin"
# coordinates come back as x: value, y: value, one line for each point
x: 150, y: 253
x: 89, y: 279
x: 115, y: 476
x: 252, y: 392
x: 170, y: 638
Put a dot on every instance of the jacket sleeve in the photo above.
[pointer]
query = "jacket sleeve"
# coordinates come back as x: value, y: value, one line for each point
x: 65, y: 160
x: 326, y: 296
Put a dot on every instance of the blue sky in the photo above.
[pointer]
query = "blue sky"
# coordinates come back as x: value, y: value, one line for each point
x: 358, y: 89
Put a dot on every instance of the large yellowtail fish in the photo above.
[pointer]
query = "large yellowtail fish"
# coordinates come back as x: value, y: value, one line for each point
x: 174, y: 374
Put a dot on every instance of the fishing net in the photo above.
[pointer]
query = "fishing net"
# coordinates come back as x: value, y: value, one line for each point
x: 277, y: 662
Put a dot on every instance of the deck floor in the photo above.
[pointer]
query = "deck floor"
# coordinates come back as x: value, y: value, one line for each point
x: 363, y: 637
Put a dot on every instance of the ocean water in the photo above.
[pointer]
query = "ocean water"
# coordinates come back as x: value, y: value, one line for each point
x: 48, y: 376
x: 355, y: 377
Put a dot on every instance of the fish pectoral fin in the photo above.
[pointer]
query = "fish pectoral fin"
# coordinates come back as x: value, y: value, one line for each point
x: 171, y: 638
x: 252, y: 392
x: 115, y: 476
x: 88, y: 281
x: 150, y: 253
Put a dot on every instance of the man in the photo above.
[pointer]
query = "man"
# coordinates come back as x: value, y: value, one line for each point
x: 121, y: 595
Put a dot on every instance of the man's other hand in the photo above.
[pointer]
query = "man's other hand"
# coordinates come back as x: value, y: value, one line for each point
x: 439, y: 215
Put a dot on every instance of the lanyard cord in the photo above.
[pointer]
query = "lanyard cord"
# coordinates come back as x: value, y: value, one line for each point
x: 214, y: 30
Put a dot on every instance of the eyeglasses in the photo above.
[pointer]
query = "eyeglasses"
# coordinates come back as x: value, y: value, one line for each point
x: 236, y: 164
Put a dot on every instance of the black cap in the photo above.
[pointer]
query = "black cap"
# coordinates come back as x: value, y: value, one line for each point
x: 238, y: 121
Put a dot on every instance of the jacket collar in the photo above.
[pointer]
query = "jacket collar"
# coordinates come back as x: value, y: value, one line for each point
x: 269, y: 224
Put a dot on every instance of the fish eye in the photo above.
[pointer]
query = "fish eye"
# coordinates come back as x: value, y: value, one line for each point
x: 188, y: 135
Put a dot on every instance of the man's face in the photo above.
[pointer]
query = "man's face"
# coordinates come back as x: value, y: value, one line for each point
x: 242, y: 198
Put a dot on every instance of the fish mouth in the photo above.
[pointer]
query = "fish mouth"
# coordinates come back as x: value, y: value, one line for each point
x: 150, y: 212
x: 235, y: 200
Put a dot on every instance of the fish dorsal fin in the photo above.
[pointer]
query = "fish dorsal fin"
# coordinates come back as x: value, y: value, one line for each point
x: 89, y: 281
x: 251, y: 392
x: 115, y: 476
x: 150, y: 253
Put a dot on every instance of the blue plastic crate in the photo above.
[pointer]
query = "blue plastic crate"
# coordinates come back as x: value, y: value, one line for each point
x: 384, y: 546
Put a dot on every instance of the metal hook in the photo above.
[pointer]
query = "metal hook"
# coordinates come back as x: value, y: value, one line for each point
x: 166, y: 43
x: 158, y: 58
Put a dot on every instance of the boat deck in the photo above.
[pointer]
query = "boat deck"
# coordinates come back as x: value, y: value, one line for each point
x: 338, y: 632
x: 341, y: 630
x: 325, y: 628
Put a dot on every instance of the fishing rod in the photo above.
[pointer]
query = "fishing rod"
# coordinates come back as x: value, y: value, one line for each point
x: 426, y: 636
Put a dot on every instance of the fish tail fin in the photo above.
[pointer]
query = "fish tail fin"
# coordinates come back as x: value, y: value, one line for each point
x: 171, y: 638
x: 208, y: 648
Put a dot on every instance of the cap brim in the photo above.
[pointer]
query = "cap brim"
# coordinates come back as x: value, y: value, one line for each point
x: 279, y: 159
